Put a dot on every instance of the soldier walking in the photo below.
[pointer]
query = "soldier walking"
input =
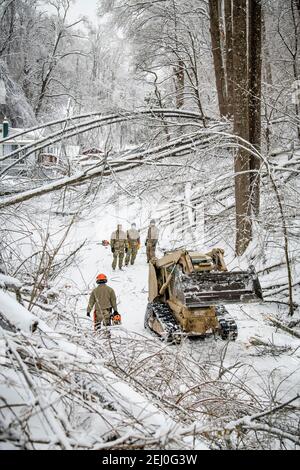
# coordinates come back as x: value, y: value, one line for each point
x: 103, y: 298
x: 151, y: 240
x: 133, y: 237
x: 119, y: 246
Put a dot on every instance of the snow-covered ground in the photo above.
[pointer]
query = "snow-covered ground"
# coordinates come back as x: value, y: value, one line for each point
x: 130, y: 284
x: 205, y: 385
x: 131, y: 287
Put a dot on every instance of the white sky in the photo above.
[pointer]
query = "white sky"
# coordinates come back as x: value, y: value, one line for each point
x: 83, y: 8
x: 80, y: 8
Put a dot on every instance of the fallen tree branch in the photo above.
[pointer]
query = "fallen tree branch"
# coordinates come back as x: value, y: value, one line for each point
x: 50, y: 418
x: 178, y: 147
x: 283, y: 327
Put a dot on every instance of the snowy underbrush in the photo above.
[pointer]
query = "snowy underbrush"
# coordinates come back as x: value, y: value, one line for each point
x: 58, y: 394
x: 79, y: 389
x: 228, y: 403
x: 64, y: 386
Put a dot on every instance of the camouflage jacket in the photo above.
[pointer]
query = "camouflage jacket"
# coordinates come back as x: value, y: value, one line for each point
x: 133, y: 236
x: 103, y: 297
x: 118, y: 240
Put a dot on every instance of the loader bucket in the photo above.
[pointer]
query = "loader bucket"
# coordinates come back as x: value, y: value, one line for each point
x: 213, y: 288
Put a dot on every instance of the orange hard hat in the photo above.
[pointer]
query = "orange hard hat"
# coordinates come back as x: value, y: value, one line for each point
x: 101, y: 277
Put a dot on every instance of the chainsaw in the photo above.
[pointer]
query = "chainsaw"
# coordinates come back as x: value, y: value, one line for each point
x: 116, y: 318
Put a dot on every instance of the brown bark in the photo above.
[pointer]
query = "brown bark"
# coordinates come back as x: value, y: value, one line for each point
x: 241, y: 126
x: 229, y: 55
x: 255, y: 54
x: 214, y: 13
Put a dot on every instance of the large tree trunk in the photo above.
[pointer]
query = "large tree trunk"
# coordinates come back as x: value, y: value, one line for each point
x: 241, y: 126
x: 214, y: 13
x: 229, y: 55
x: 255, y: 43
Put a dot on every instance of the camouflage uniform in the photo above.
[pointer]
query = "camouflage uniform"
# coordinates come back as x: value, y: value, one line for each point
x: 119, y: 244
x: 151, y: 241
x: 133, y: 238
x: 103, y: 298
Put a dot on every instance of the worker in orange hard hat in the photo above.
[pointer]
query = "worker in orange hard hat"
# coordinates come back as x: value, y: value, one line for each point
x: 103, y: 298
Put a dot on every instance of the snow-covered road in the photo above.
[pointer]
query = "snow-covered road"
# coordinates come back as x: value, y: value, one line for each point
x: 130, y: 284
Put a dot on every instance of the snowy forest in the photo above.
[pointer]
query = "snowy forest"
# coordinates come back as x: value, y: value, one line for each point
x: 182, y: 115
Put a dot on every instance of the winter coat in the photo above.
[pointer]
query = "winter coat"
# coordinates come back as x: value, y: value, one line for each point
x: 118, y: 240
x: 152, y: 233
x: 103, y: 297
x: 133, y: 236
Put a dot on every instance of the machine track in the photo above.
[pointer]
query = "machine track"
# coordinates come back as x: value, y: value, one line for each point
x: 163, y: 314
x: 228, y: 326
x: 172, y: 331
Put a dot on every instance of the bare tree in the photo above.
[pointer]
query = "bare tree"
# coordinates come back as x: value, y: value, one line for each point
x: 241, y: 127
x: 215, y: 20
x: 255, y: 66
x: 229, y: 55
x: 61, y: 32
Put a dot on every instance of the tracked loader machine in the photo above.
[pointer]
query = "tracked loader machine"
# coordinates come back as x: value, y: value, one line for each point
x: 187, y: 293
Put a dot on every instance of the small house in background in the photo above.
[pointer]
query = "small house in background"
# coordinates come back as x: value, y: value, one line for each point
x: 13, y: 143
x: 49, y: 156
x: 92, y: 151
x: 48, y: 159
x: 89, y: 157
